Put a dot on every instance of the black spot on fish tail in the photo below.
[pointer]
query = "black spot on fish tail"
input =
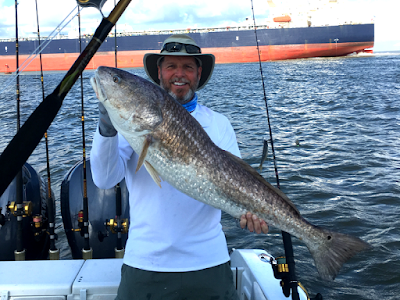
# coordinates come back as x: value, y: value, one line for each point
x: 333, y: 251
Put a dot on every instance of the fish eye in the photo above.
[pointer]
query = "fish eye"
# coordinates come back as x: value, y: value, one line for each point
x: 116, y: 79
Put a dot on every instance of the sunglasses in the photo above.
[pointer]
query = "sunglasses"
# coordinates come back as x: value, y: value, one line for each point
x: 176, y: 47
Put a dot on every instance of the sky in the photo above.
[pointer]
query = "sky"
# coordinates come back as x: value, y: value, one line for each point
x: 178, y: 14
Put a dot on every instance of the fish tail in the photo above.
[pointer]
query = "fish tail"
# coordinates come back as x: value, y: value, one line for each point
x: 333, y: 251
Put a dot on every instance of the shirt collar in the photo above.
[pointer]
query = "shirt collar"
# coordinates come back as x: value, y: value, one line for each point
x: 191, y: 105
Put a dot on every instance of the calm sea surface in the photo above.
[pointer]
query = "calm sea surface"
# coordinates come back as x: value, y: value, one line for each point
x: 342, y: 174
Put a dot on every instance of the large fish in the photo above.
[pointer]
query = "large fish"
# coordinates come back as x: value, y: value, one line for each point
x: 173, y: 147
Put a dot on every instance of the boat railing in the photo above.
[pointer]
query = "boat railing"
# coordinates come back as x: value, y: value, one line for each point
x: 189, y: 30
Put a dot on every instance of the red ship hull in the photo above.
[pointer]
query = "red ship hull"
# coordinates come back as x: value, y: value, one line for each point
x: 134, y: 59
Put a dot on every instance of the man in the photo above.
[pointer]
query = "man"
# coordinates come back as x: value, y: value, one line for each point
x: 176, y: 247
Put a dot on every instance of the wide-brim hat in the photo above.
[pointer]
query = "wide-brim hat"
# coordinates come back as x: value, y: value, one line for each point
x: 207, y: 61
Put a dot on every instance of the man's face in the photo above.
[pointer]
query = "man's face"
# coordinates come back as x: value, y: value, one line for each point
x: 179, y: 76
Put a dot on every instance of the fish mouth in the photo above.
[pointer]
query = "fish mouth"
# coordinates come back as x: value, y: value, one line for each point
x: 95, y: 82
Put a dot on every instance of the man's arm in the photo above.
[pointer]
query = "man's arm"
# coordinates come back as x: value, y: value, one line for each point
x: 107, y: 164
x: 109, y: 153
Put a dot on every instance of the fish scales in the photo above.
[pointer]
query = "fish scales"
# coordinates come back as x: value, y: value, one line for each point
x: 193, y: 147
x: 174, y: 146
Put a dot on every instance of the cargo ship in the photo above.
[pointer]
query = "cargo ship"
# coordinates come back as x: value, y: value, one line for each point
x: 287, y: 33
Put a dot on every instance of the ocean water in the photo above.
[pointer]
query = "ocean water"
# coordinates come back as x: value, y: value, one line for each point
x: 336, y: 132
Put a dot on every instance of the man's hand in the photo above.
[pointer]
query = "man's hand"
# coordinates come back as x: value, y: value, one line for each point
x: 253, y: 223
x: 106, y: 128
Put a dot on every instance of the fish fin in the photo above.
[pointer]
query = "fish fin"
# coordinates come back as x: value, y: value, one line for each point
x: 333, y: 251
x: 264, y: 154
x: 142, y: 156
x: 256, y: 175
x: 153, y: 173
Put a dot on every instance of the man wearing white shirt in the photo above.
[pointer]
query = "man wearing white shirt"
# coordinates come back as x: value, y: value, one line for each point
x: 176, y: 247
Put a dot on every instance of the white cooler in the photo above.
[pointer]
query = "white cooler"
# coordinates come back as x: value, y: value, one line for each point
x: 60, y: 279
x: 40, y: 279
x: 98, y: 279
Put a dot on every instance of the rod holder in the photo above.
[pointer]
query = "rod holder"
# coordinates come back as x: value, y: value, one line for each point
x: 87, y: 254
x: 19, y: 256
x: 54, y: 254
x: 119, y: 253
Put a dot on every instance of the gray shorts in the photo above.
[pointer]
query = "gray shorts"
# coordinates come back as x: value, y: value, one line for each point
x: 212, y: 283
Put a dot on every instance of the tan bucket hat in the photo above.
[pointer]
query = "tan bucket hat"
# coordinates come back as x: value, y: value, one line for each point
x: 180, y: 45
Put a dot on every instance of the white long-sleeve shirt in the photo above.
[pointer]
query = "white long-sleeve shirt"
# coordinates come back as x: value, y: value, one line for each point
x: 168, y: 231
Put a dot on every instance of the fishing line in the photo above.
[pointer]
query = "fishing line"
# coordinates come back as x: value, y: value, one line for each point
x: 290, y: 282
x: 265, y: 99
x: 40, y: 48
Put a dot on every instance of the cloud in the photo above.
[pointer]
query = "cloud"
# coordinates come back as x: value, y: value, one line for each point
x: 27, y: 20
x: 138, y: 16
x: 178, y: 14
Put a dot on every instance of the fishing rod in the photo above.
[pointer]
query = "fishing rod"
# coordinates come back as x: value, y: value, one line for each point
x: 19, y: 253
x: 87, y: 251
x: 289, y: 282
x: 28, y: 137
x: 115, y: 39
x: 119, y: 250
x: 117, y: 225
x: 54, y: 253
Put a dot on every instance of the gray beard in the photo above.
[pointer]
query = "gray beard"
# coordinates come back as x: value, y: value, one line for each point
x: 182, y: 100
x: 185, y: 99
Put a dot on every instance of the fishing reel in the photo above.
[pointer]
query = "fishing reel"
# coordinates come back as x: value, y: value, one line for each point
x: 37, y: 223
x: 281, y: 271
x: 38, y: 227
x: 12, y: 210
x: 280, y: 267
x: 80, y: 223
x: 24, y: 211
x: 91, y: 3
x: 117, y: 225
